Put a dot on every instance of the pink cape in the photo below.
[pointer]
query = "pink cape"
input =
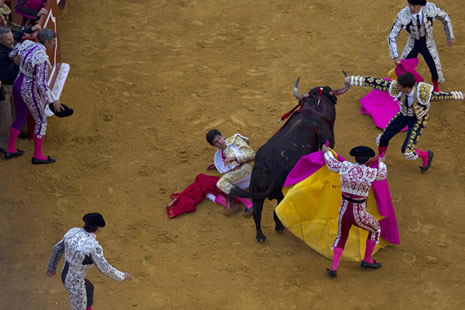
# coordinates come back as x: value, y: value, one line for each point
x: 380, y: 106
x: 309, y: 164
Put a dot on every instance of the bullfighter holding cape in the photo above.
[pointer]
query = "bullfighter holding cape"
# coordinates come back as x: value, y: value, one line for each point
x: 312, y: 194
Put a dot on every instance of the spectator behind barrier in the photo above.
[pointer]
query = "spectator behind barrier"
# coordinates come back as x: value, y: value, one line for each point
x: 30, y: 10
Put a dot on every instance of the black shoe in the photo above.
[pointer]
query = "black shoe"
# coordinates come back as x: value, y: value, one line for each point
x: 2, y: 150
x: 23, y: 135
x: 428, y: 164
x: 49, y: 160
x: 9, y: 155
x: 373, y: 265
x: 248, y: 212
x: 331, y: 273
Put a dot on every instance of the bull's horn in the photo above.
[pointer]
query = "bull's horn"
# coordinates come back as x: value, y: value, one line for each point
x: 296, y: 89
x: 338, y: 92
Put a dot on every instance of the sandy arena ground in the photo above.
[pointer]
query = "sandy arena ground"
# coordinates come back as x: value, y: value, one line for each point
x: 148, y: 79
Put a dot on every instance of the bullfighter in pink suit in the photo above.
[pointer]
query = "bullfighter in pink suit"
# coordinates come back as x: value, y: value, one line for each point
x: 31, y: 92
x: 356, y: 179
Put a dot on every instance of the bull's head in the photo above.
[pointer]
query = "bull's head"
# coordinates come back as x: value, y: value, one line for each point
x: 335, y: 92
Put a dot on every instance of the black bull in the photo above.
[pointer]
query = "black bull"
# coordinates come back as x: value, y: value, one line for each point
x: 304, y: 133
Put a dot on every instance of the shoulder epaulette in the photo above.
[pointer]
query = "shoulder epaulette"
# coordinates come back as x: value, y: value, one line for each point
x: 393, y: 89
x: 424, y: 92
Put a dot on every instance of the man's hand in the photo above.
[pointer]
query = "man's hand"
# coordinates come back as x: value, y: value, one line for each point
x: 50, y: 273
x: 396, y: 60
x: 127, y: 276
x: 228, y: 160
x: 57, y: 106
x: 347, y: 81
x: 43, y: 11
x: 211, y: 166
x: 36, y: 27
x: 382, y: 159
x: 324, y: 149
x: 450, y: 42
x: 17, y: 60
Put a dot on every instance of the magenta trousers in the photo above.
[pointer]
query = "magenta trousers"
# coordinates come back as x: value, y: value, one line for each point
x: 355, y: 213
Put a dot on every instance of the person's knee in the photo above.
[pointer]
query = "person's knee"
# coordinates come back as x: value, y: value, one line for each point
x: 383, y: 140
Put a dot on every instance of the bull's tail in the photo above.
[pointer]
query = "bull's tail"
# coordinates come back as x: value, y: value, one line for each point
x: 237, y: 192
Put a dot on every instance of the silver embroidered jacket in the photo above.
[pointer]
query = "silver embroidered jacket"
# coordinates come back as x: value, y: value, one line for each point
x: 405, y: 20
x: 356, y: 179
x: 77, y: 244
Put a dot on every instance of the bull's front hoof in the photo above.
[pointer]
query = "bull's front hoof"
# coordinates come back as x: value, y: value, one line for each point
x: 261, y: 238
x: 280, y: 230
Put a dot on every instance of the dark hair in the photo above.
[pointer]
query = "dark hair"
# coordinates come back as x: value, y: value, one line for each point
x: 417, y: 2
x: 211, y: 135
x: 406, y: 80
x: 92, y: 221
x: 361, y: 159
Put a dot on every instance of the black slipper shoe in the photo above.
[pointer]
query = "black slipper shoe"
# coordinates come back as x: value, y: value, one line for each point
x: 49, y: 160
x: 428, y: 164
x: 331, y: 273
x: 369, y: 265
x: 9, y: 155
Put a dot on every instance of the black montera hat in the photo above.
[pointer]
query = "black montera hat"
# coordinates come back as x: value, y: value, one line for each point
x: 362, y: 151
x: 417, y: 2
x: 94, y: 219
x: 67, y: 110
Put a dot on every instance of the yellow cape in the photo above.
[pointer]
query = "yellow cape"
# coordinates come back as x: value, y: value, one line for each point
x: 310, y: 211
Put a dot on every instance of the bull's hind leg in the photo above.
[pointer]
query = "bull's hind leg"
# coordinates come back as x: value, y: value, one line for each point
x: 279, y: 226
x: 257, y: 217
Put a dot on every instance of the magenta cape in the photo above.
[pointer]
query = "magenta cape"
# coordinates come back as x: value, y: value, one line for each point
x: 309, y: 164
x: 380, y: 106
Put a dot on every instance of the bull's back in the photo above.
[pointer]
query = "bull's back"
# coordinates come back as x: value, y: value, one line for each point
x: 276, y: 158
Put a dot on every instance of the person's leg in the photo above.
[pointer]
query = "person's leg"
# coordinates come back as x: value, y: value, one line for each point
x: 395, y: 125
x: 229, y: 179
x: 432, y: 67
x: 5, y: 117
x: 90, y: 294
x: 345, y: 221
x: 21, y: 111
x: 36, y: 108
x: 409, y: 148
x: 366, y: 221
x: 76, y: 287
x: 414, y: 52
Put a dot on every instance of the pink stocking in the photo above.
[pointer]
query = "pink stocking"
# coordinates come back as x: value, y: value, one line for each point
x: 89, y: 308
x: 370, y: 246
x: 423, y: 155
x: 436, y: 86
x: 246, y: 202
x: 38, y: 147
x: 382, y: 150
x: 336, y: 257
x: 12, y: 140
x: 221, y: 200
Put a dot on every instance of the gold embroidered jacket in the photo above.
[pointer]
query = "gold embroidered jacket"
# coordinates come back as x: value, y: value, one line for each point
x: 424, y: 94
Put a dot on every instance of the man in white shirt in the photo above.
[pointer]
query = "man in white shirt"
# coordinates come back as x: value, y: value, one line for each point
x: 417, y: 19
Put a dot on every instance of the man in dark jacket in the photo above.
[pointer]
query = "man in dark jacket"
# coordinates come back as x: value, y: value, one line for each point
x: 8, y: 72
